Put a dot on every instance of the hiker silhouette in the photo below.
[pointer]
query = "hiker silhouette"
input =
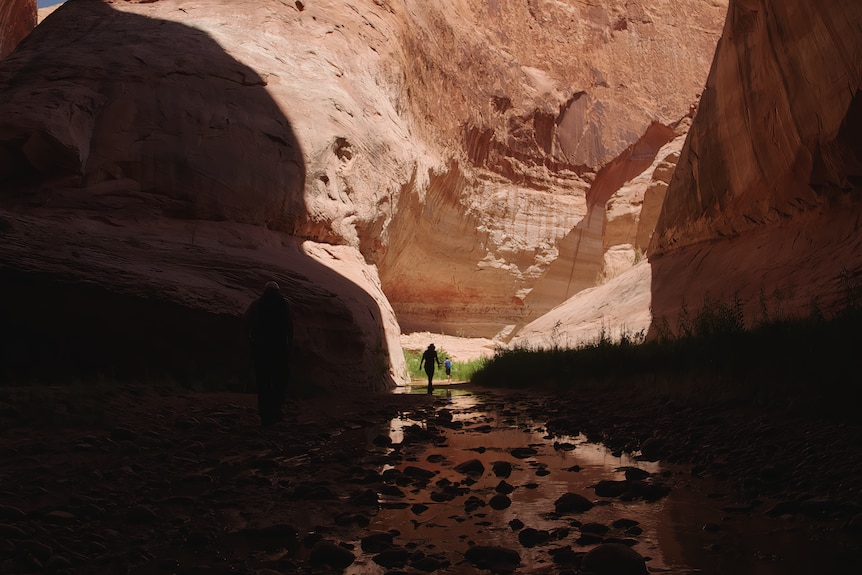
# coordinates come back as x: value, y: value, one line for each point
x: 429, y: 358
x: 269, y: 328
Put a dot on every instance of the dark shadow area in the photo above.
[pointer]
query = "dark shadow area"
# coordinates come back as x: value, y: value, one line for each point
x: 66, y: 328
x: 114, y: 117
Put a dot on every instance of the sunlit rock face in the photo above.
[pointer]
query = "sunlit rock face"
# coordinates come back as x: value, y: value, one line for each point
x: 623, y: 206
x: 763, y: 208
x: 633, y: 210
x: 17, y: 19
x: 544, y: 110
x: 618, y: 304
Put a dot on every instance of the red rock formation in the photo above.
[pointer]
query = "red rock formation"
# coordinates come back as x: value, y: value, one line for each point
x: 764, y: 204
x: 544, y: 99
x: 584, y: 252
x: 774, y: 154
x: 140, y: 165
x: 776, y: 129
x: 17, y: 19
x: 633, y: 210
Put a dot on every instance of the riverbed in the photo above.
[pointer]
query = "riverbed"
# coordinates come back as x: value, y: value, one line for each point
x: 147, y: 479
x: 700, y: 526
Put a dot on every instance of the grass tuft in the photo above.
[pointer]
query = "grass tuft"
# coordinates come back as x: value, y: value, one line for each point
x: 805, y: 364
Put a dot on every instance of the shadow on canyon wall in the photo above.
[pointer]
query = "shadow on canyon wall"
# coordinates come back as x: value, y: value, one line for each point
x: 133, y: 88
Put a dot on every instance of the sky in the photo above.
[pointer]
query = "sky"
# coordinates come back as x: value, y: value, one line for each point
x: 45, y: 3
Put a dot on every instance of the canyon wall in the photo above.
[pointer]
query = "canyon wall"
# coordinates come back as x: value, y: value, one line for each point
x: 776, y: 130
x: 532, y: 102
x: 763, y: 207
x: 773, y: 158
x: 459, y: 155
x: 152, y: 183
x: 17, y: 19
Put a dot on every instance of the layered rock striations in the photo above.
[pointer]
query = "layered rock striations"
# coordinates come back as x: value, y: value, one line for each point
x: 17, y: 19
x: 632, y: 211
x: 542, y: 97
x: 775, y: 130
x: 458, y: 154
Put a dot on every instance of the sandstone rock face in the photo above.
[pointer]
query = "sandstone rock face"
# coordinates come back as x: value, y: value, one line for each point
x: 17, y: 19
x: 137, y: 297
x: 603, y: 243
x: 633, y: 210
x: 775, y: 143
x: 776, y: 271
x: 47, y: 11
x: 617, y: 308
x: 145, y: 175
x: 764, y: 204
x: 458, y: 154
x: 543, y: 102
x: 775, y: 131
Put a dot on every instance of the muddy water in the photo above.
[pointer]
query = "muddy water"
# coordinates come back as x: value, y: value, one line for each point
x: 697, y: 528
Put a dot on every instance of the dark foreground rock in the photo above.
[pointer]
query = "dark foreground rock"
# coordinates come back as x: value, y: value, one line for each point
x: 807, y: 462
x: 613, y: 559
x: 572, y: 503
x: 494, y: 559
x: 124, y: 478
x: 144, y: 479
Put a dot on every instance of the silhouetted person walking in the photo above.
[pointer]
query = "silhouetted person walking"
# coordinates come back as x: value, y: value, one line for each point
x: 429, y: 358
x: 269, y: 327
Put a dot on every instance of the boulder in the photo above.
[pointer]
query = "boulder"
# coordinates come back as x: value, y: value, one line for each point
x: 331, y: 554
x: 493, y: 558
x: 471, y: 467
x: 530, y: 537
x: 572, y: 503
x: 502, y: 468
x: 613, y: 559
x: 392, y: 558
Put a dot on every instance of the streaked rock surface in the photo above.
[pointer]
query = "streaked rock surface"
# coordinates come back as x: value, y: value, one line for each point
x: 17, y: 19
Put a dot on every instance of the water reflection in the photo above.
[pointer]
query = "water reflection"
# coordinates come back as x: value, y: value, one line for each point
x: 488, y: 434
x: 669, y: 532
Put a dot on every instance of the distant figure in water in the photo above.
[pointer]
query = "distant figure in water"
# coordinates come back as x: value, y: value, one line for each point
x: 447, y: 363
x: 429, y: 358
x: 269, y: 328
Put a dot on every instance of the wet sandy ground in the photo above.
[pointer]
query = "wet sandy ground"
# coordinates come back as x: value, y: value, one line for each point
x: 143, y: 480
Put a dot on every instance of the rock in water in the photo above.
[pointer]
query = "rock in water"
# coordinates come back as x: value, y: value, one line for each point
x: 492, y: 558
x: 331, y: 554
x: 613, y: 559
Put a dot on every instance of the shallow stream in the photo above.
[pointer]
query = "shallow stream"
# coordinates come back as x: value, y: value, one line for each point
x: 697, y: 528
